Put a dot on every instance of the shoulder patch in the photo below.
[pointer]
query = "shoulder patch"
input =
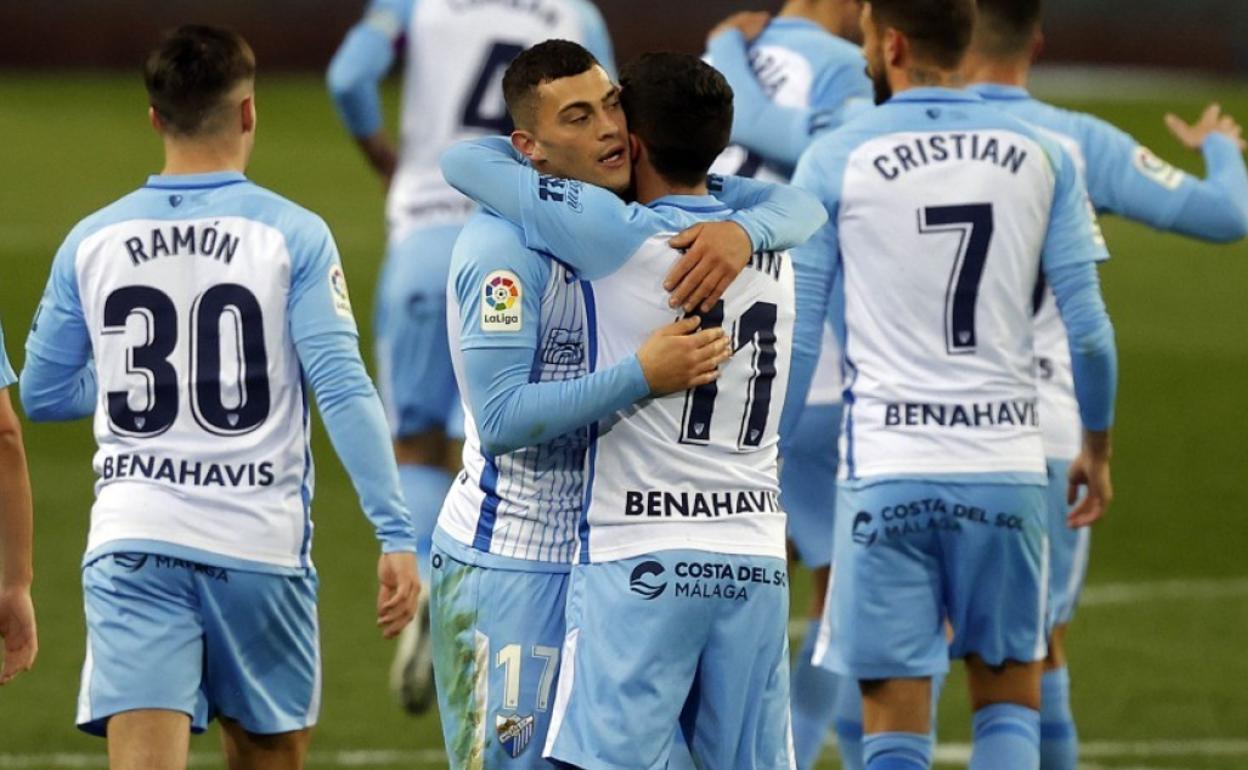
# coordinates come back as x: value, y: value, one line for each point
x: 502, y: 302
x: 338, y: 291
x: 1157, y: 169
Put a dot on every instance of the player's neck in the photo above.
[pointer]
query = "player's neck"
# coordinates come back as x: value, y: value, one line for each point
x: 1006, y: 72
x: 650, y: 186
x: 822, y: 14
x: 183, y: 157
x: 922, y: 76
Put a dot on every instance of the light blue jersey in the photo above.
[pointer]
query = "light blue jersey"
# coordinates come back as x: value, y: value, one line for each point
x: 7, y: 375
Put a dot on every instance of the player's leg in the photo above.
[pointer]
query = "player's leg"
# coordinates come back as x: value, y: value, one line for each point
x: 808, y: 493
x: 497, y: 635
x: 418, y: 389
x: 997, y: 566
x: 142, y: 675
x: 248, y: 751
x: 262, y: 664
x: 1059, y: 740
x: 630, y: 656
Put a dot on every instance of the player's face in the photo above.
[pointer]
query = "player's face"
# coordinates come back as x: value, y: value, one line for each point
x: 873, y: 50
x: 581, y: 132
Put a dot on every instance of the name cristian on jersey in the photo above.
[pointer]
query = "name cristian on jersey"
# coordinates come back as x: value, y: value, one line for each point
x: 1016, y: 412
x: 690, y: 505
x: 926, y: 150
x: 196, y: 240
x: 186, y: 472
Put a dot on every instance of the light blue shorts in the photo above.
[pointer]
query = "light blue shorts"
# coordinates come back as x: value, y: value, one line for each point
x: 1068, y: 547
x: 682, y: 637
x: 497, y: 635
x: 415, y: 379
x: 165, y: 633
x: 911, y: 554
x: 808, y: 484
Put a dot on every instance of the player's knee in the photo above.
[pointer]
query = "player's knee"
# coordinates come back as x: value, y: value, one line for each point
x: 277, y: 751
x: 1057, y: 649
x: 1011, y: 682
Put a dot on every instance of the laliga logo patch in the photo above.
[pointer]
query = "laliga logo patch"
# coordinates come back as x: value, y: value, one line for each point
x: 501, y: 302
x: 338, y: 291
x: 1157, y: 169
x: 638, y: 585
x: 514, y: 732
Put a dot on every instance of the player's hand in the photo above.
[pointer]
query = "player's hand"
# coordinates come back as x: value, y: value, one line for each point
x: 1212, y: 121
x: 750, y: 23
x: 398, y: 588
x: 1090, y: 472
x: 381, y: 155
x: 715, y: 254
x: 679, y: 357
x: 17, y: 628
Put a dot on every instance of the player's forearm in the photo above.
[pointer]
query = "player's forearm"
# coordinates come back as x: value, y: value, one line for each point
x: 489, y: 171
x: 356, y: 424
x: 1093, y: 353
x: 354, y: 73
x: 814, y: 280
x: 1217, y: 208
x: 16, y: 511
x: 776, y: 216
x: 54, y: 391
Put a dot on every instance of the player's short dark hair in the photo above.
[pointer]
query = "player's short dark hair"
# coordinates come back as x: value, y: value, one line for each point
x: 191, y: 71
x: 1005, y: 28
x: 939, y: 30
x: 680, y: 108
x: 542, y: 63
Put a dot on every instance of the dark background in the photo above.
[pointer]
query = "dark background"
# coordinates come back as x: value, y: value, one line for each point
x: 1211, y: 35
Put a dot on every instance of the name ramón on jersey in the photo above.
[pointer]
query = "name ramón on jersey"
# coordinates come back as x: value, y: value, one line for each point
x: 922, y: 151
x: 183, y: 240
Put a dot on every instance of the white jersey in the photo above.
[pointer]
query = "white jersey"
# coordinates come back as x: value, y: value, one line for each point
x: 457, y: 52
x: 943, y: 210
x: 190, y: 292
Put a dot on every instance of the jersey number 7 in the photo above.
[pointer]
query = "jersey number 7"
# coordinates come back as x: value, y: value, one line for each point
x: 975, y: 223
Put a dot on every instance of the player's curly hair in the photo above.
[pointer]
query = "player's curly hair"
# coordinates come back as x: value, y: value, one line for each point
x: 191, y: 71
x: 542, y: 63
x: 938, y: 30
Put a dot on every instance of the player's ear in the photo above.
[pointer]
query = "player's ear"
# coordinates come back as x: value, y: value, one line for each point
x: 896, y: 47
x: 527, y: 145
x: 635, y: 149
x: 248, y: 113
x: 154, y: 119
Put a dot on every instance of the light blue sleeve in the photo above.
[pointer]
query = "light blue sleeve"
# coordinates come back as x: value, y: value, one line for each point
x: 7, y: 376
x: 816, y: 266
x: 1073, y: 235
x: 53, y: 391
x: 356, y: 423
x: 363, y: 59
x: 596, y: 37
x: 498, y: 285
x: 776, y: 216
x: 1128, y: 179
x: 1093, y: 354
x: 318, y: 302
x: 558, y: 216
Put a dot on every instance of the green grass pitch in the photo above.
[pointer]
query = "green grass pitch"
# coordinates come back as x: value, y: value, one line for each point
x: 1159, y: 675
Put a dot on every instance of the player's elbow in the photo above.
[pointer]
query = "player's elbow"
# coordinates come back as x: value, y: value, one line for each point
x: 1232, y: 227
x: 497, y: 441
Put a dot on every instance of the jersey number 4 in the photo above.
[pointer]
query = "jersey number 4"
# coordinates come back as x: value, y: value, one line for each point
x: 227, y: 305
x: 975, y: 223
x: 484, y: 108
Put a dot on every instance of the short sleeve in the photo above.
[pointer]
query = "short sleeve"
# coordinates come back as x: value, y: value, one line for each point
x: 498, y: 286
x: 59, y: 330
x: 319, y: 302
x: 1073, y: 234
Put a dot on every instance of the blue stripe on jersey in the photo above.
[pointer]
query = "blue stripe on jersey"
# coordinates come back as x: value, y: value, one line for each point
x: 591, y: 323
x: 305, y: 489
x: 849, y: 399
x: 489, y: 506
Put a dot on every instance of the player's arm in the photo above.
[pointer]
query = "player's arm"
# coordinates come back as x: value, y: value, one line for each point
x: 325, y: 337
x: 1073, y: 246
x: 17, y: 611
x: 363, y: 59
x: 58, y: 380
x: 1126, y: 178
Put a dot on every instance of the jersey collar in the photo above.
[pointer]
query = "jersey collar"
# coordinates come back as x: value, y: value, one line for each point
x: 997, y: 92
x: 935, y: 95
x: 698, y: 204
x: 194, y: 181
x: 796, y: 22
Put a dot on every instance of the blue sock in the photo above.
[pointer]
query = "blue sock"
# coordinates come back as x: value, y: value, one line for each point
x: 849, y: 725
x: 814, y: 701
x: 897, y: 751
x: 424, y: 488
x: 1059, y: 741
x: 1006, y: 735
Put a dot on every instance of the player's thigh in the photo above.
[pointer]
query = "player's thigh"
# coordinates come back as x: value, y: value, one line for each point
x: 1068, y: 549
x: 885, y: 615
x: 808, y: 484
x: 997, y: 572
x: 636, y: 630
x: 415, y: 378
x: 262, y: 648
x: 738, y: 712
x: 497, y: 642
x: 144, y: 641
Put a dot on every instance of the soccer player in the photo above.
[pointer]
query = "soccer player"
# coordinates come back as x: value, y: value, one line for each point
x: 706, y: 517
x: 507, y: 534
x: 455, y: 56
x: 1124, y: 178
x: 17, y: 611
x: 942, y: 214
x: 186, y: 316
x: 808, y: 59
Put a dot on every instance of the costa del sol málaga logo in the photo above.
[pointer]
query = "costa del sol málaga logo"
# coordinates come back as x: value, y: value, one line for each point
x: 501, y: 293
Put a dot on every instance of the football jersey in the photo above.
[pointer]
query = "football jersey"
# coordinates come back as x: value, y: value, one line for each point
x: 456, y: 54
x: 942, y: 213
x: 522, y: 504
x: 189, y: 294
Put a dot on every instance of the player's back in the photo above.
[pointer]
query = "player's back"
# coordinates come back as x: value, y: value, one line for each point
x: 944, y: 212
x: 457, y: 52
x: 660, y: 472
x: 202, y: 421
